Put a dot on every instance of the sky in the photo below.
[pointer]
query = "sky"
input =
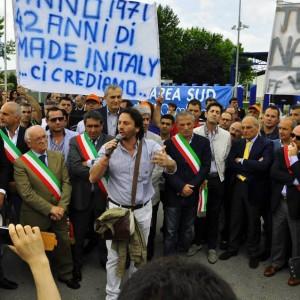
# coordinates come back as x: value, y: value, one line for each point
x: 217, y: 16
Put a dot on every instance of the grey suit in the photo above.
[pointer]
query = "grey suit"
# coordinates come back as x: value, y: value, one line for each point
x: 87, y: 200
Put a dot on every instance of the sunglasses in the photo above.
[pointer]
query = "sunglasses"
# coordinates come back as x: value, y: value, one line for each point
x: 60, y: 119
x: 293, y: 135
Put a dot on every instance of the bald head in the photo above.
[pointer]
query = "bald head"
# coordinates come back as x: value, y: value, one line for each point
x: 36, y: 139
x: 285, y: 129
x: 250, y: 127
x: 235, y: 130
x: 10, y: 115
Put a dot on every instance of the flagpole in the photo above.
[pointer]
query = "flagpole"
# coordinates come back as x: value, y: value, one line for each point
x: 5, y: 56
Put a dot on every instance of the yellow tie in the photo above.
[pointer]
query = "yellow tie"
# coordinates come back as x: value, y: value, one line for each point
x: 245, y: 156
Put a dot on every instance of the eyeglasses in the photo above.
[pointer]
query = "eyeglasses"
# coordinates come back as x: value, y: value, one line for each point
x: 297, y: 137
x: 60, y: 119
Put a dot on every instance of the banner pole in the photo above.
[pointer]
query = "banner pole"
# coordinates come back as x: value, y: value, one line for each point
x: 4, y: 52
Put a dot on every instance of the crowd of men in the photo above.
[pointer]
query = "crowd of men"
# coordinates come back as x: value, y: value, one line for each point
x: 224, y: 177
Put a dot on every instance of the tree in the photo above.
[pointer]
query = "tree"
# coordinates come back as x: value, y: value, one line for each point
x: 170, y: 36
x: 195, y: 55
x: 207, y: 57
x: 10, y: 45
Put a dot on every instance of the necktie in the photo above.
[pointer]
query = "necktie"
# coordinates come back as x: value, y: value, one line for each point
x: 43, y: 159
x: 245, y: 156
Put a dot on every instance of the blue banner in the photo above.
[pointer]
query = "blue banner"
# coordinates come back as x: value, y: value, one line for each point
x: 181, y: 95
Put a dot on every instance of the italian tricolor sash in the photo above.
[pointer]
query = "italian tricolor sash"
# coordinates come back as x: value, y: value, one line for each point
x: 11, y: 151
x: 43, y: 173
x: 185, y: 149
x: 89, y: 152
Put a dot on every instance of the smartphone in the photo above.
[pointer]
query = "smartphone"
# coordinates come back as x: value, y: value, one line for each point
x: 4, y: 236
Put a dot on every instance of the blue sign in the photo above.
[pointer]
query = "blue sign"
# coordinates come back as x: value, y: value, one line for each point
x: 181, y: 95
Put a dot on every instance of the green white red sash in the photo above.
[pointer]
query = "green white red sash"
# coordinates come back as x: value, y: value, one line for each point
x: 11, y: 151
x: 89, y: 152
x: 43, y: 173
x: 185, y: 149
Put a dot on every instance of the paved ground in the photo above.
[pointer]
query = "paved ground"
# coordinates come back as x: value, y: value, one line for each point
x: 248, y: 284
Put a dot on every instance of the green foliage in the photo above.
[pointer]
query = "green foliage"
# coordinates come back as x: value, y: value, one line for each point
x: 10, y: 45
x: 195, y: 55
x: 170, y: 36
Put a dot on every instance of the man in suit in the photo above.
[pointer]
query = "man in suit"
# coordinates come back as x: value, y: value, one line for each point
x: 42, y: 181
x: 285, y: 173
x: 249, y: 160
x: 10, y: 118
x: 88, y: 201
x: 4, y: 170
x: 111, y: 112
x: 182, y: 188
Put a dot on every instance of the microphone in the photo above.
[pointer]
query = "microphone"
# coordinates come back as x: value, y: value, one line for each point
x: 118, y: 138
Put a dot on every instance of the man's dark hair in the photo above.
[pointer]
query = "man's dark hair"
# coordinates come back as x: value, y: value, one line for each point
x: 49, y: 102
x: 194, y: 102
x: 93, y: 114
x: 25, y: 104
x: 137, y: 118
x: 172, y: 105
x: 56, y: 109
x: 214, y: 104
x: 274, y: 107
x: 210, y: 99
x: 295, y: 106
x: 128, y: 103
x: 176, y: 278
x: 233, y: 99
x: 169, y: 117
x: 65, y: 98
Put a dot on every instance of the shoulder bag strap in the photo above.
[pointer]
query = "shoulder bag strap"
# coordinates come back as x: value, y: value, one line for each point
x: 136, y: 172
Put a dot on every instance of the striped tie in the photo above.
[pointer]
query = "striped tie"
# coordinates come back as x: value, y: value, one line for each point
x: 245, y: 156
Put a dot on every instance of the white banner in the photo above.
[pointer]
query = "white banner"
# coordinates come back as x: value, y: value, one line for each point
x: 81, y: 46
x: 283, y: 69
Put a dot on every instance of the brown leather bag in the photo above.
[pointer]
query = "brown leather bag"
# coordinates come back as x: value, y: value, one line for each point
x: 122, y: 226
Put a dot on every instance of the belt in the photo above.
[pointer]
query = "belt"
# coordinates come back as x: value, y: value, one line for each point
x: 138, y: 206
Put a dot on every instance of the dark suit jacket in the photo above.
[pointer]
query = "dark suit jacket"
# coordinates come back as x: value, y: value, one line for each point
x: 4, y: 167
x: 79, y: 175
x: 281, y: 177
x: 103, y: 112
x: 256, y: 172
x: 184, y: 175
x: 21, y: 145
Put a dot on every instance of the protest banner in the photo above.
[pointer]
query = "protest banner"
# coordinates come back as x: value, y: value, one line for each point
x: 181, y: 95
x: 81, y: 46
x: 283, y: 67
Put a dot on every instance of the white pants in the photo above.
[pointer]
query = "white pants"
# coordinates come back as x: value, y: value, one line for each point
x: 143, y: 218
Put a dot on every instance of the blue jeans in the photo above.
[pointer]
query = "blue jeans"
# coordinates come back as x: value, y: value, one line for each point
x: 179, y: 228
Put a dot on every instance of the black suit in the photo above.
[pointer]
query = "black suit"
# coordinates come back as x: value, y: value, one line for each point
x: 4, y: 167
x: 249, y: 195
x: 87, y: 200
x: 285, y: 210
x: 103, y: 112
x: 21, y: 145
x: 13, y: 197
x: 180, y: 212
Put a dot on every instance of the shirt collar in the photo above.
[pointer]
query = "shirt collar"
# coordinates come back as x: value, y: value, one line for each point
x: 16, y: 131
x: 253, y: 140
x: 110, y: 113
x: 39, y: 154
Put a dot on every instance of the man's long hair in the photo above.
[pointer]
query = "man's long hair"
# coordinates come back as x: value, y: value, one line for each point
x: 138, y: 120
